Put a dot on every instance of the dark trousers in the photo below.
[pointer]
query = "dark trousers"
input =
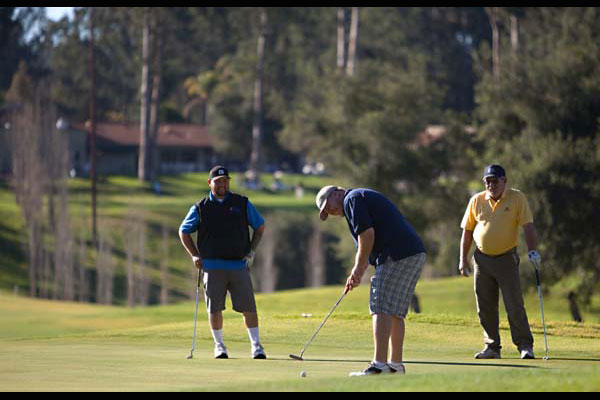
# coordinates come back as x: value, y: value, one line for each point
x: 494, y: 274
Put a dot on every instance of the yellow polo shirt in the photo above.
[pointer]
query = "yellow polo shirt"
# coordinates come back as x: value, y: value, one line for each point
x: 495, y: 224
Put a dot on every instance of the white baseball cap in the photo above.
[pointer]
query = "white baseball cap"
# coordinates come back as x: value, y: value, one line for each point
x: 321, y: 199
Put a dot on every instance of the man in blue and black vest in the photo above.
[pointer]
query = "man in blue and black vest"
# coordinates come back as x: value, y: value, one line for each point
x: 224, y: 252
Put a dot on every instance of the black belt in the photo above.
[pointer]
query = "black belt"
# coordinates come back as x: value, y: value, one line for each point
x: 513, y: 250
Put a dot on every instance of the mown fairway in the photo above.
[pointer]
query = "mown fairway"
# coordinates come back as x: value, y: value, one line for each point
x: 56, y: 346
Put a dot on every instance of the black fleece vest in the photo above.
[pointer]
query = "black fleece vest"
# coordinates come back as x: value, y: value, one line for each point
x: 223, y: 231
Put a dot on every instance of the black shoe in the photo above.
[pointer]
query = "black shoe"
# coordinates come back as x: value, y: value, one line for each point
x: 221, y: 351
x: 258, y: 353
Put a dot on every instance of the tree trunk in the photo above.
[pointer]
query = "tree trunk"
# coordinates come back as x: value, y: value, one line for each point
x: 352, y: 45
x: 257, y: 127
x: 93, y: 154
x: 130, y: 266
x: 83, y: 284
x: 143, y: 173
x: 514, y: 33
x: 28, y: 173
x: 268, y: 270
x: 143, y: 280
x: 46, y: 273
x: 164, y: 268
x: 315, y: 270
x: 574, y: 308
x: 341, y: 38
x: 154, y: 161
x: 492, y: 13
x: 105, y: 268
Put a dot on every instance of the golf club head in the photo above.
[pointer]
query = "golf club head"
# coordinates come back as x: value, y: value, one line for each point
x: 296, y: 357
x: 190, y: 356
x: 546, y: 358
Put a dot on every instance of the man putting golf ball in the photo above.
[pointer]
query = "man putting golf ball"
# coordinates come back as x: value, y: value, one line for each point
x: 386, y: 240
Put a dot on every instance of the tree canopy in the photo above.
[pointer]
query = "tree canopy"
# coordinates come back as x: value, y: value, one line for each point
x: 517, y: 86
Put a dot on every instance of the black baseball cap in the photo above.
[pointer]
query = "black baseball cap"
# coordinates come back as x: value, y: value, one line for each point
x: 494, y: 170
x: 217, y: 172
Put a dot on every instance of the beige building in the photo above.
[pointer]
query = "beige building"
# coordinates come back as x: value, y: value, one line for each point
x: 181, y: 148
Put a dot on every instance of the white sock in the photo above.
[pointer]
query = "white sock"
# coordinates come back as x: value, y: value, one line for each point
x: 378, y: 364
x: 253, y: 335
x: 218, y: 336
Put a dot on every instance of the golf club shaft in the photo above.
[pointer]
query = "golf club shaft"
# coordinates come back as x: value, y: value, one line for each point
x: 539, y: 288
x: 196, y: 314
x: 323, y: 323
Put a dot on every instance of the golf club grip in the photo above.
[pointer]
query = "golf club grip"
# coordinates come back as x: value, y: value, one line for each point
x: 537, y: 272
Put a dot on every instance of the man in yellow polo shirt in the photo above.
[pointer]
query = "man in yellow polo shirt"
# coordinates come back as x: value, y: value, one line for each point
x: 492, y: 219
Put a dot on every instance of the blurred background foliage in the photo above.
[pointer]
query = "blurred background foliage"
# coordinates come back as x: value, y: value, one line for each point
x: 511, y: 85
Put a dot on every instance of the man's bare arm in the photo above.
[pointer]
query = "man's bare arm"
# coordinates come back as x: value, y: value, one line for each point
x: 190, y: 247
x: 465, y: 245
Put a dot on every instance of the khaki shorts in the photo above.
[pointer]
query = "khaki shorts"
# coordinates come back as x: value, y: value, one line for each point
x: 239, y: 285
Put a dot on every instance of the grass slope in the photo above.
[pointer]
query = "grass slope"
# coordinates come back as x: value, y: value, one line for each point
x: 121, y: 199
x: 57, y: 346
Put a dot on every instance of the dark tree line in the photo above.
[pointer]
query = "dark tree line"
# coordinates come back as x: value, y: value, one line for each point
x: 355, y: 88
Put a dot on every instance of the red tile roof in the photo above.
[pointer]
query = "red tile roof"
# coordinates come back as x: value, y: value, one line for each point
x: 169, y: 135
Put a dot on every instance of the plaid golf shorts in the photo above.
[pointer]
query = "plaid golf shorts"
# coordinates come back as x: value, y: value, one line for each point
x: 393, y: 285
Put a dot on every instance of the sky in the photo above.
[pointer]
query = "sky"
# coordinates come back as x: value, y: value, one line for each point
x: 56, y: 13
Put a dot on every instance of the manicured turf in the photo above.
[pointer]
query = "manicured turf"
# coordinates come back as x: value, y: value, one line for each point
x: 57, y: 346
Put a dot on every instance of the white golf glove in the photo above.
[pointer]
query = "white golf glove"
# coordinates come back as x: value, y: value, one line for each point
x: 250, y: 258
x: 197, y: 262
x: 535, y: 257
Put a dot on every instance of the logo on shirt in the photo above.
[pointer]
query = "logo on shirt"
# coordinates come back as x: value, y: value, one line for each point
x: 506, y: 209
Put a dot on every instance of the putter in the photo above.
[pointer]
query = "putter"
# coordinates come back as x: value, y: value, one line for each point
x: 195, y: 318
x: 299, y: 358
x: 539, y: 288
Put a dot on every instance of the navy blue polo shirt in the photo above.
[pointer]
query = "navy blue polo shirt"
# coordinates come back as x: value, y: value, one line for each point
x: 394, y: 236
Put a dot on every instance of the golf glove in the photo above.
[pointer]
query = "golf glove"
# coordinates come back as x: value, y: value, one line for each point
x: 535, y: 257
x: 250, y: 258
x: 197, y: 259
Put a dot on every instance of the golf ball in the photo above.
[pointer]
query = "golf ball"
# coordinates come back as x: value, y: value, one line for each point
x: 303, y: 374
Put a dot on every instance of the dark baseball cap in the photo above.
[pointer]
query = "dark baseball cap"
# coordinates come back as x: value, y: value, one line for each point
x: 217, y: 172
x: 493, y: 170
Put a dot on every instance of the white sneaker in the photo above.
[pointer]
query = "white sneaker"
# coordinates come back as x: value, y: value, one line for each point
x: 527, y: 354
x: 397, y: 368
x: 220, y: 351
x: 488, y: 354
x: 373, y: 370
x: 258, y: 352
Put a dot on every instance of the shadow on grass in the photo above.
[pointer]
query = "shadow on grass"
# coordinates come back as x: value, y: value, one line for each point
x: 460, y: 364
